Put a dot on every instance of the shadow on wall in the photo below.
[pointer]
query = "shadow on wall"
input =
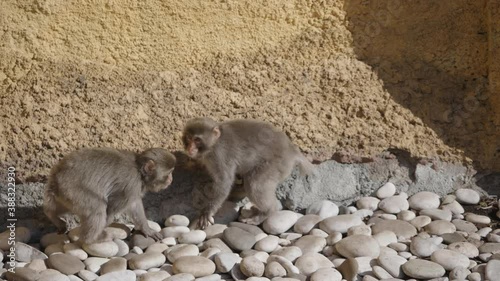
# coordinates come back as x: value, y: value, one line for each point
x: 433, y: 59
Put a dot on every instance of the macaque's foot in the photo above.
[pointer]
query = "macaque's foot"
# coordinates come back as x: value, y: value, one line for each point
x: 148, y: 232
x: 204, y: 221
x: 254, y: 220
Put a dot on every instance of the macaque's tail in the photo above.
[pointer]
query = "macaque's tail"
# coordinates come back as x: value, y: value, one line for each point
x: 305, y: 167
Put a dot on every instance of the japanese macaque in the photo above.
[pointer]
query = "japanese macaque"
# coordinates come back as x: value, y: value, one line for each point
x: 254, y: 150
x: 96, y: 184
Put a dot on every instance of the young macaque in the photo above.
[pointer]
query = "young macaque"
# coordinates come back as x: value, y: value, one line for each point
x: 256, y: 151
x: 96, y: 184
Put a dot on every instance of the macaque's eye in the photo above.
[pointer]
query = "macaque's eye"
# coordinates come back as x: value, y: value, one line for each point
x: 197, y: 140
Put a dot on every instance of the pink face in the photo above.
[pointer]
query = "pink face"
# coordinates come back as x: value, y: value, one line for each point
x: 192, y: 145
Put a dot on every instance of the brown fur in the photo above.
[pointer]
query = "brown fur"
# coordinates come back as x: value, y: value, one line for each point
x: 259, y: 153
x: 97, y: 184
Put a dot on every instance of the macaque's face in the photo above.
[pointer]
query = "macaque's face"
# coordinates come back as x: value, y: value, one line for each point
x: 163, y: 179
x: 199, y: 136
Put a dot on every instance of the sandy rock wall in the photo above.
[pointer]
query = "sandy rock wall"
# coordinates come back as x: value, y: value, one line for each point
x: 355, y: 76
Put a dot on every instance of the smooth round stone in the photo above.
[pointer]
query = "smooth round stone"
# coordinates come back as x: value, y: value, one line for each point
x: 215, y: 230
x: 180, y: 277
x: 477, y: 218
x: 368, y: 203
x: 400, y: 247
x: 154, y: 226
x: 251, y: 266
x: 52, y: 238
x: 210, y: 253
x: 326, y: 274
x: 310, y: 263
x: 169, y: 241
x: 454, y: 207
x: 115, y: 264
x: 238, y: 238
x: 290, y: 253
x: 157, y: 248
x: 386, y: 190
x: 340, y: 223
x: 27, y: 253
x: 363, y: 213
x: 87, y: 275
x: 358, y: 246
x: 174, y: 231
x: 422, y: 269
x: 65, y: 263
x: 212, y: 277
x: 319, y: 233
x: 226, y: 261
x: 306, y: 223
x: 465, y: 226
x: 406, y: 215
x: 75, y: 250
x: 255, y: 230
x: 137, y: 250
x: 195, y: 265
x: 493, y: 238
x: 467, y: 196
x: 420, y: 221
x: 388, y: 217
x: 52, y: 275
x: 103, y: 250
x: 400, y: 228
x: 274, y: 269
x: 310, y: 244
x: 440, y: 227
x: 385, y: 238
x: 483, y: 232
x: 474, y: 276
x: 450, y: 238
x: 394, y: 204
x: 192, y: 237
x: 127, y: 275
x: 54, y: 248
x: 324, y: 209
x: 449, y: 259
x: 255, y: 278
x: 424, y: 247
x: 154, y: 276
x: 146, y: 261
x: 141, y: 241
x: 465, y: 248
x: 492, y: 248
x: 22, y: 274
x: 37, y: 265
x: 359, y: 230
x: 381, y: 273
x: 280, y: 222
x: 437, y: 214
x: 424, y: 200
x: 392, y: 264
x: 349, y: 269
x: 177, y: 220
x: 216, y: 243
x: 181, y: 250
x: 333, y: 238
x: 93, y: 264
x: 459, y: 273
x: 267, y: 244
x: 118, y: 231
x: 492, y: 271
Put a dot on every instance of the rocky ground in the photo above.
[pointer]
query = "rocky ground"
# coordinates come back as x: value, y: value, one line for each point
x: 389, y: 236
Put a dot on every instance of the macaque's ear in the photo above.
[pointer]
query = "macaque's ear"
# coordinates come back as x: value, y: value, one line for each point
x: 216, y: 132
x: 149, y: 167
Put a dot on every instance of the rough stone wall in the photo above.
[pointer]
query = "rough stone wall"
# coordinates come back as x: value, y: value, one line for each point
x: 356, y: 76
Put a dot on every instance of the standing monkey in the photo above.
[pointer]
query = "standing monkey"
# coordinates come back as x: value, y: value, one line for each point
x: 97, y: 184
x: 259, y: 153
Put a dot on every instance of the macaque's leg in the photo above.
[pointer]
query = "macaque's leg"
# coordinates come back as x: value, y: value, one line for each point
x: 261, y: 190
x: 140, y: 220
x: 215, y: 196
x: 93, y: 224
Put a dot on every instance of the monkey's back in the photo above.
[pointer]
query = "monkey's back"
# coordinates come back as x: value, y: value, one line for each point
x: 93, y: 173
x: 254, y: 142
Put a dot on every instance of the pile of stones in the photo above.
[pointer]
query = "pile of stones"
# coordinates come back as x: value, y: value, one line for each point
x: 386, y: 237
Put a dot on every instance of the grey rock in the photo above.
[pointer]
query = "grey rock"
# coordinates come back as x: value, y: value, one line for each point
x: 422, y: 269
x: 238, y: 238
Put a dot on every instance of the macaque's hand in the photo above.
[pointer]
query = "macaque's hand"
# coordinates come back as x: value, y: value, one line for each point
x: 204, y: 221
x: 148, y: 232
